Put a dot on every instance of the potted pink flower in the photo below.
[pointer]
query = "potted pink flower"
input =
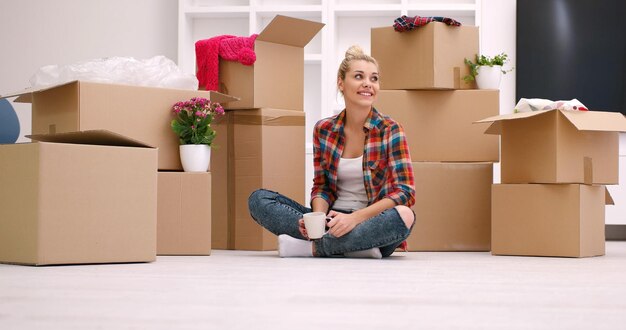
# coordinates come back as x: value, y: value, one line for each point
x: 193, y: 127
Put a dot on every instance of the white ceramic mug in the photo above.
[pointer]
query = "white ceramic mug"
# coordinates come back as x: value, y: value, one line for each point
x: 315, y: 224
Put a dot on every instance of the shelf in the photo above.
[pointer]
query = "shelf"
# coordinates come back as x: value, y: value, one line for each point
x: 217, y: 12
x: 427, y: 9
x: 299, y: 3
x: 358, y: 3
x: 449, y: 10
x: 312, y: 58
x: 215, y: 3
x: 367, y: 10
x: 305, y: 11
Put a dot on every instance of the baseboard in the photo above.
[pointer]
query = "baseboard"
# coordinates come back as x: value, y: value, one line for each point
x: 615, y: 232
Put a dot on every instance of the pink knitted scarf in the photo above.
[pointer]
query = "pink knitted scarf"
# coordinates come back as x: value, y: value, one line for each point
x: 231, y: 48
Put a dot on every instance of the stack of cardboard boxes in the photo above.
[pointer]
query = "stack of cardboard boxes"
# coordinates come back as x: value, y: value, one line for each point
x: 422, y: 87
x: 554, y: 167
x: 87, y: 193
x: 261, y: 139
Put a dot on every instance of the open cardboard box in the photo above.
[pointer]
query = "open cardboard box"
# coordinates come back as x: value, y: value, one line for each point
x: 559, y: 146
x: 254, y: 148
x: 141, y: 113
x: 276, y: 80
x: 558, y: 220
x: 428, y: 57
x: 75, y: 198
x: 453, y: 207
x: 439, y: 124
x: 184, y: 213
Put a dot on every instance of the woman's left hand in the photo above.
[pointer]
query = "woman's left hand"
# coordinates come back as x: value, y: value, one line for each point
x: 341, y: 223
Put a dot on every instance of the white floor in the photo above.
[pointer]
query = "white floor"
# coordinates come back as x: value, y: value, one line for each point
x: 258, y: 290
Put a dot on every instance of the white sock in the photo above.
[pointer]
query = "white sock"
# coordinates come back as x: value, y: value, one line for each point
x: 373, y: 253
x: 293, y: 247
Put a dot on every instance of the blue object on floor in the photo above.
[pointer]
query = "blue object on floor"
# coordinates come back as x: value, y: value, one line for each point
x: 9, y: 123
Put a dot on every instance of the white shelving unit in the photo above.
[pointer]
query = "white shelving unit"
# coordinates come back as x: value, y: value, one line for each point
x: 347, y: 22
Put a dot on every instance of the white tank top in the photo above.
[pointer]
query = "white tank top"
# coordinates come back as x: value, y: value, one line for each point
x: 351, y: 193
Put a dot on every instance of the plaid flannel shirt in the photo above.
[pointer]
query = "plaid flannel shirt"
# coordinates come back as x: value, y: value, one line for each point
x: 387, y: 169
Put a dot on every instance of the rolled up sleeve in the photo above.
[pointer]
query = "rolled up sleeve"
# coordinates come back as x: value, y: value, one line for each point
x: 401, y: 181
x: 321, y: 183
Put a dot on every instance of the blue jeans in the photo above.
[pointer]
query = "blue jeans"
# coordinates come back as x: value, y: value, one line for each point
x: 280, y: 215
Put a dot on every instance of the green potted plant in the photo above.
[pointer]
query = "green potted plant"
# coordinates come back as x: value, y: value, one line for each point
x: 487, y: 70
x: 192, y: 125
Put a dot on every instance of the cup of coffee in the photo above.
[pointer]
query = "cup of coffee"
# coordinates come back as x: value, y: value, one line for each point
x: 315, y: 224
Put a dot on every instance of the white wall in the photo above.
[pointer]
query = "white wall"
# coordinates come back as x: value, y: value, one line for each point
x: 497, y: 35
x: 35, y: 33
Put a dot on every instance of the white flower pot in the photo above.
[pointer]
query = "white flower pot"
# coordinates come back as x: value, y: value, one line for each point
x: 195, y: 157
x: 488, y: 77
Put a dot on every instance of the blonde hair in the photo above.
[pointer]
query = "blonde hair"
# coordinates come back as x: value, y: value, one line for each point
x: 354, y: 53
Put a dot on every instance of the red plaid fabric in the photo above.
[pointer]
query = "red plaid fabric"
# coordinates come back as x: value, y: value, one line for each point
x: 387, y: 166
x: 405, y: 23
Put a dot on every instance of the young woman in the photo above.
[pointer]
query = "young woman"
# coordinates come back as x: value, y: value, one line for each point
x: 363, y: 178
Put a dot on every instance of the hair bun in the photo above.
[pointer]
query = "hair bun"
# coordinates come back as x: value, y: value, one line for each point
x: 354, y: 51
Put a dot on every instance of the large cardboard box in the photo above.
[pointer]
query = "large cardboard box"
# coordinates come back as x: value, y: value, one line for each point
x: 255, y: 148
x: 142, y: 113
x: 556, y: 146
x: 439, y: 124
x: 558, y: 220
x: 429, y: 57
x: 452, y: 207
x: 276, y: 80
x: 184, y: 213
x: 86, y: 197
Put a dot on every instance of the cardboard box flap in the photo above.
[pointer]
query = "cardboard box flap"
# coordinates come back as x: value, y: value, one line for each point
x: 290, y: 31
x: 511, y: 116
x: 218, y: 97
x: 26, y: 95
x: 608, y: 199
x: 582, y: 120
x: 93, y: 137
x: 495, y: 128
x: 596, y: 120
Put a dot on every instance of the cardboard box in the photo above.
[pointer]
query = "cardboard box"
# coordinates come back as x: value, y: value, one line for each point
x: 439, y: 124
x: 255, y: 148
x: 141, y: 113
x: 557, y: 146
x: 452, y: 207
x: 429, y: 57
x: 557, y: 220
x: 87, y: 197
x: 184, y: 213
x: 276, y: 80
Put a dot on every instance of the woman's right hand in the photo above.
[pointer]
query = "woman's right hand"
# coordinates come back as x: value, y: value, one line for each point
x: 302, y: 229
